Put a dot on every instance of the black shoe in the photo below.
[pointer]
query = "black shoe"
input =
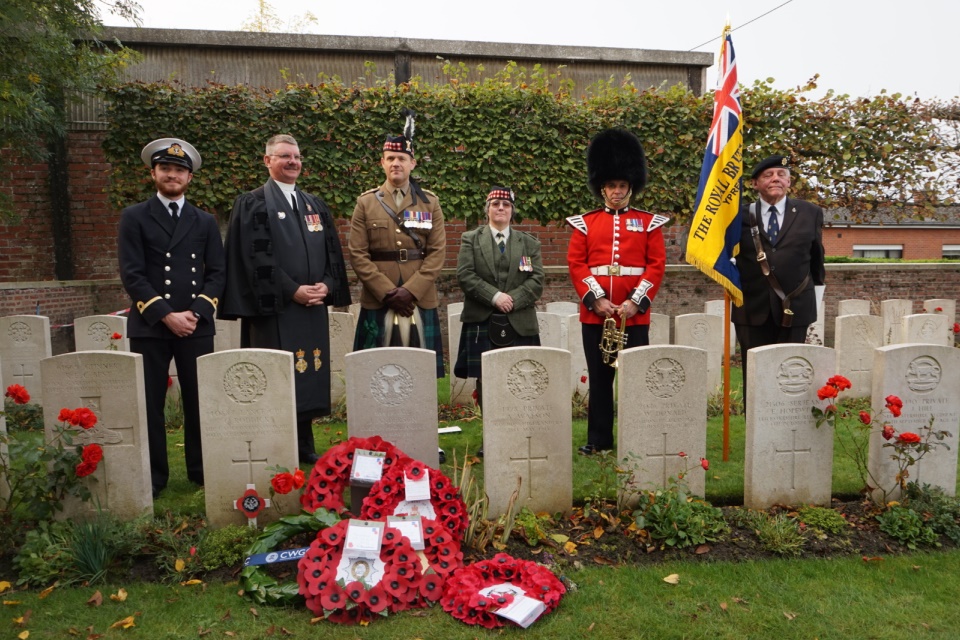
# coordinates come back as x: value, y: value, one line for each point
x: 442, y: 456
x: 309, y: 458
x: 588, y: 450
x: 198, y: 480
x: 156, y: 492
x: 480, y: 452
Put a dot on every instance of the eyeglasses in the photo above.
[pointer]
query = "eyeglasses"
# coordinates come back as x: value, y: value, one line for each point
x: 286, y: 157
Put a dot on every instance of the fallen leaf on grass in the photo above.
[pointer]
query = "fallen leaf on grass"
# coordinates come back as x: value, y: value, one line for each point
x: 23, y: 635
x: 702, y: 549
x: 673, y: 578
x: 872, y: 559
x: 592, y: 625
x: 202, y: 632
x: 179, y: 565
x: 96, y: 599
x: 602, y: 560
x: 190, y: 583
x: 4, y: 585
x: 254, y: 612
x: 571, y: 548
x: 126, y: 623
x: 231, y: 634
x: 47, y: 591
x: 741, y: 601
x: 226, y: 616
x: 916, y: 567
x: 316, y: 620
x: 598, y: 532
x: 788, y: 615
x: 119, y: 596
x: 723, y: 606
x: 286, y: 632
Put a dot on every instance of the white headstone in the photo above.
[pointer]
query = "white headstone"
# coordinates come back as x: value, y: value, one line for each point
x: 562, y: 308
x: 926, y: 328
x: 703, y: 331
x: 392, y: 393
x: 892, y: 312
x: 716, y: 308
x: 248, y: 422
x: 454, y: 308
x: 580, y: 380
x: 816, y: 332
x: 552, y: 332
x: 95, y: 333
x: 24, y: 342
x: 659, y: 332
x: 788, y: 460
x: 853, y: 308
x: 946, y: 306
x: 662, y: 412
x: 227, y: 336
x: 343, y: 326
x: 355, y: 309
x: 855, y: 337
x: 461, y: 389
x: 527, y: 429
x: 926, y: 378
x: 109, y: 383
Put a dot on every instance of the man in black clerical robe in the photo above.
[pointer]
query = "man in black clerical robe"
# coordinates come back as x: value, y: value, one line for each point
x: 285, y: 266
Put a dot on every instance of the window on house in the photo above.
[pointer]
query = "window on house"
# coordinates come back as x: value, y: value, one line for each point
x: 878, y: 251
x: 951, y: 251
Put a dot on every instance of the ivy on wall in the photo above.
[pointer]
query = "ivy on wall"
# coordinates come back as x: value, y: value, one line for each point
x: 512, y: 128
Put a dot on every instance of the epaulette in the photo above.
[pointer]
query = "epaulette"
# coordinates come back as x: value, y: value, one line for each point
x: 430, y: 192
x: 374, y: 190
x: 658, y: 221
x: 578, y: 223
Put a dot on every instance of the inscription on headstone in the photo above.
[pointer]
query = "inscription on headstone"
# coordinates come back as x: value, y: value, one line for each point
x: 24, y: 342
x: 92, y: 333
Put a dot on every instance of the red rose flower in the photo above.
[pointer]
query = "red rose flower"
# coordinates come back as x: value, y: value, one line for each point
x: 827, y: 391
x: 908, y: 437
x: 85, y: 468
x: 939, y: 309
x: 839, y: 382
x: 682, y: 454
x: 84, y: 417
x: 705, y: 464
x: 282, y: 482
x: 18, y: 394
x: 66, y: 415
x: 298, y: 478
x: 92, y: 453
x: 474, y: 395
x: 583, y: 379
x: 956, y: 327
x: 894, y: 405
x: 115, y: 336
x: 888, y: 432
x: 169, y: 382
x: 865, y: 417
x: 831, y: 408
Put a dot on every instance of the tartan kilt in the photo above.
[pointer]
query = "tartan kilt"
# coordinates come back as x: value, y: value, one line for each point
x: 474, y: 342
x: 371, y: 334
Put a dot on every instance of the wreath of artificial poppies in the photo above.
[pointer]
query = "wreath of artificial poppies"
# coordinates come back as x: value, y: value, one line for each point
x: 375, y: 588
x: 462, y: 598
x: 330, y: 476
x: 386, y: 497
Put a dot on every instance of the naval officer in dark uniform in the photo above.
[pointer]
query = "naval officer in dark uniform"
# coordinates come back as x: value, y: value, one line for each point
x: 172, y: 266
x: 284, y: 268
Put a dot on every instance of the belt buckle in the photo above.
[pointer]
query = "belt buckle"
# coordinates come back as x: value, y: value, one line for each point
x: 614, y: 270
x: 403, y: 255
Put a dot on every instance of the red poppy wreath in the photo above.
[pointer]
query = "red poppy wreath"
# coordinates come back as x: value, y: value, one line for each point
x: 330, y: 476
x: 388, y: 498
x: 349, y: 590
x: 462, y: 597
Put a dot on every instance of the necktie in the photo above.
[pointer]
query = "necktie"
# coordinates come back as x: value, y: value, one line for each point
x: 773, y: 225
x: 175, y: 211
x: 293, y: 200
x: 398, y: 198
x: 500, y: 242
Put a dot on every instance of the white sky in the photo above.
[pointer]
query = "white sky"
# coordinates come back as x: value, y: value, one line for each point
x: 858, y: 47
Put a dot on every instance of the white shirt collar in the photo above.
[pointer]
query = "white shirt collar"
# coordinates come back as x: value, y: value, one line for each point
x: 505, y: 232
x: 780, y: 204
x: 166, y: 202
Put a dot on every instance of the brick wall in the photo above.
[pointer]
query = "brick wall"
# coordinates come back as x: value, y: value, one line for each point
x: 918, y: 244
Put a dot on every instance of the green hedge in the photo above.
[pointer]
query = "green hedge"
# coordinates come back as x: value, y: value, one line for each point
x: 513, y: 129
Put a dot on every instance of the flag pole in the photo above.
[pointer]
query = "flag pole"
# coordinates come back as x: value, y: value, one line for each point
x: 726, y: 376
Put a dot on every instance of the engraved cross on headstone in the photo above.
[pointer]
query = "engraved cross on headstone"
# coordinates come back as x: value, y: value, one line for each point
x: 106, y: 438
x: 861, y: 374
x: 793, y: 451
x: 22, y: 375
x: 250, y: 460
x: 530, y: 459
x: 663, y: 455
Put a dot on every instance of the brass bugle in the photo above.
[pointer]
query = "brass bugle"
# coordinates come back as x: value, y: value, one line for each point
x: 613, y: 339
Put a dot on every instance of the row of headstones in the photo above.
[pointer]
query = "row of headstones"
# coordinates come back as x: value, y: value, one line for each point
x: 248, y: 419
x: 24, y: 340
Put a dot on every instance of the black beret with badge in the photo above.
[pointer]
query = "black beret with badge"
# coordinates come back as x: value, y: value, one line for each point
x: 770, y: 163
x: 171, y: 151
x: 616, y: 154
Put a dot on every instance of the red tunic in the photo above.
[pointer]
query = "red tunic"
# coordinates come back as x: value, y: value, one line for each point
x: 606, y: 239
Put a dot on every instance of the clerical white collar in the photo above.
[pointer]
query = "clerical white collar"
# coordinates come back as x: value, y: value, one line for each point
x: 286, y: 188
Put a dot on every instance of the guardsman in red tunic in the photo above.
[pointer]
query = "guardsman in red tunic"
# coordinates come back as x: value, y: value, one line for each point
x: 617, y: 259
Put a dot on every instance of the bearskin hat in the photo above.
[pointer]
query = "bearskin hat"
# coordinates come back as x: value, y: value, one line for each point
x: 616, y: 154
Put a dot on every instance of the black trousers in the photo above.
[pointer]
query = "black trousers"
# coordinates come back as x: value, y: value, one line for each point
x: 157, y: 354
x: 752, y: 336
x: 601, y: 376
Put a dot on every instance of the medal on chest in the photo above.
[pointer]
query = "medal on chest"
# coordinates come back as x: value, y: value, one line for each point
x: 418, y: 219
x: 313, y: 222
